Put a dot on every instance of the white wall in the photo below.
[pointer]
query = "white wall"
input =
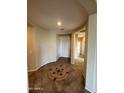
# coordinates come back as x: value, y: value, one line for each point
x: 41, y: 43
x: 91, y: 54
x: 53, y: 46
x: 44, y: 48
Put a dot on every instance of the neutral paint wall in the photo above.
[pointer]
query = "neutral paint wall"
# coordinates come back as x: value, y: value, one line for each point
x: 91, y: 54
x: 41, y: 43
x: 53, y: 46
x: 31, y: 56
x: 44, y: 48
x: 73, y: 38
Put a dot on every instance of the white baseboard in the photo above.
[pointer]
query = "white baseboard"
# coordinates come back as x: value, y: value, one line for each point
x: 89, y: 89
x: 92, y: 91
x: 32, y: 70
x: 35, y: 69
x: 39, y: 66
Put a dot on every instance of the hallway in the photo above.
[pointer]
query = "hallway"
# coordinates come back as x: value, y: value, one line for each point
x: 57, y: 77
x: 60, y: 39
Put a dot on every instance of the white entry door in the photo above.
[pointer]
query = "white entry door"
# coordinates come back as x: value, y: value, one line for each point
x: 64, y: 46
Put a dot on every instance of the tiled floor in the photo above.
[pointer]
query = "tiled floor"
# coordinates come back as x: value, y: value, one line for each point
x: 57, y: 77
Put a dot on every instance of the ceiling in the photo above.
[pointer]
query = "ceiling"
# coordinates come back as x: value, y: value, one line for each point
x: 71, y: 13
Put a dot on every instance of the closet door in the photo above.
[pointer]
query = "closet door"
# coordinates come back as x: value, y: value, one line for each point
x: 64, y: 47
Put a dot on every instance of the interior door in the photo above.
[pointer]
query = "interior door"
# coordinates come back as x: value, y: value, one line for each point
x: 64, y: 46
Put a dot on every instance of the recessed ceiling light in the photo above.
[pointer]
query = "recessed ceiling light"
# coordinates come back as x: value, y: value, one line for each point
x: 59, y: 23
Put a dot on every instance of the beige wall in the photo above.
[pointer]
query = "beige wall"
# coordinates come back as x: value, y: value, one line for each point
x: 73, y: 48
x: 42, y: 47
x: 53, y: 46
x: 42, y: 43
x: 31, y: 56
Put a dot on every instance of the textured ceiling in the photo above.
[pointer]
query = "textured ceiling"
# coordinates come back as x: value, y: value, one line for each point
x: 72, y: 13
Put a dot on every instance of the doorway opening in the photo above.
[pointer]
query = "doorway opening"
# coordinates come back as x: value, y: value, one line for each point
x: 79, y: 49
